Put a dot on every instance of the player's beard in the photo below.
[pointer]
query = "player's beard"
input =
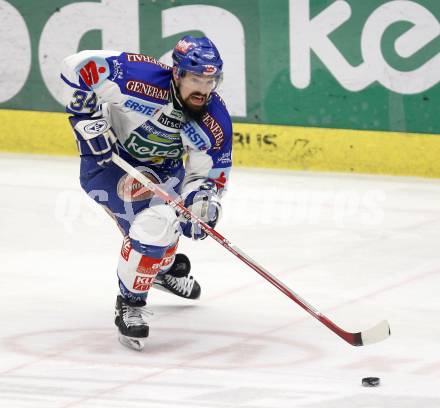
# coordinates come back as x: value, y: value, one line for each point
x: 195, y: 111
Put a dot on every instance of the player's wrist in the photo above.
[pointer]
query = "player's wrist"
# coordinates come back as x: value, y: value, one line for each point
x: 95, y: 137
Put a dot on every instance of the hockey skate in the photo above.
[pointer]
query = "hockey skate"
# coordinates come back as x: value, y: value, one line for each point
x: 177, y: 280
x: 129, y: 319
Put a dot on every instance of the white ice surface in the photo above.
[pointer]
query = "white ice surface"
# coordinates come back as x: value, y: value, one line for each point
x: 358, y: 248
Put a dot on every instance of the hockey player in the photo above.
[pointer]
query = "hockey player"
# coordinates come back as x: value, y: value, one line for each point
x: 151, y: 115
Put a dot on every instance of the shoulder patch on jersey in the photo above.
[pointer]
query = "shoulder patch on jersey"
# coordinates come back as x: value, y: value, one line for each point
x: 147, y: 89
x: 145, y: 59
x: 93, y: 71
x: 215, y: 129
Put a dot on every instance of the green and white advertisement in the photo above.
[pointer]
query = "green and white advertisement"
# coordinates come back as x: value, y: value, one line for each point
x: 303, y: 79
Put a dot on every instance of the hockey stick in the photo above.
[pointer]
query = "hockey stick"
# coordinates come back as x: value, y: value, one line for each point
x: 373, y: 335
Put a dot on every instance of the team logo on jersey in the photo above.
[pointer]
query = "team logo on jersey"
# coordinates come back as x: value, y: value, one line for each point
x: 97, y: 127
x: 215, y: 129
x: 131, y: 190
x: 90, y: 73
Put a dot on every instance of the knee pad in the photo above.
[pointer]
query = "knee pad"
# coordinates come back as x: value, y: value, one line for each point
x: 149, y: 248
x: 156, y: 226
x: 136, y: 272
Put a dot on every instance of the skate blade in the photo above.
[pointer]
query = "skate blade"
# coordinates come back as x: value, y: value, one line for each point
x: 132, y: 342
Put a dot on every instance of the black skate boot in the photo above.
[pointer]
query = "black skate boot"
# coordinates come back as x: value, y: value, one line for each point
x: 177, y: 281
x: 129, y: 319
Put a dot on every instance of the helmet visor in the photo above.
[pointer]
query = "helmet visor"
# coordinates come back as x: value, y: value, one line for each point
x: 201, y: 82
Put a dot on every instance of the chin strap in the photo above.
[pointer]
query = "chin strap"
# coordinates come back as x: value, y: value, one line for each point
x: 174, y: 96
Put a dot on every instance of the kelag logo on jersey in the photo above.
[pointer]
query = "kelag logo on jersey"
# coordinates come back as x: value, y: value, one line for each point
x: 146, y: 145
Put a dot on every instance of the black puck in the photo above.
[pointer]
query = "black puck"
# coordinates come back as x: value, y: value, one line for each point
x: 370, y: 381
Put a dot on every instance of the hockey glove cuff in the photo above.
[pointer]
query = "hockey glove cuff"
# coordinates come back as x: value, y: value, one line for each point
x: 205, y: 204
x: 94, y: 137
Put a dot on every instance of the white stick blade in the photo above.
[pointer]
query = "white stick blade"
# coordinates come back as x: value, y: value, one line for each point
x: 377, y: 333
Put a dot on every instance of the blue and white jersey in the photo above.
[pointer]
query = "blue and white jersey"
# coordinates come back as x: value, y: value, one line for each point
x: 132, y: 91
